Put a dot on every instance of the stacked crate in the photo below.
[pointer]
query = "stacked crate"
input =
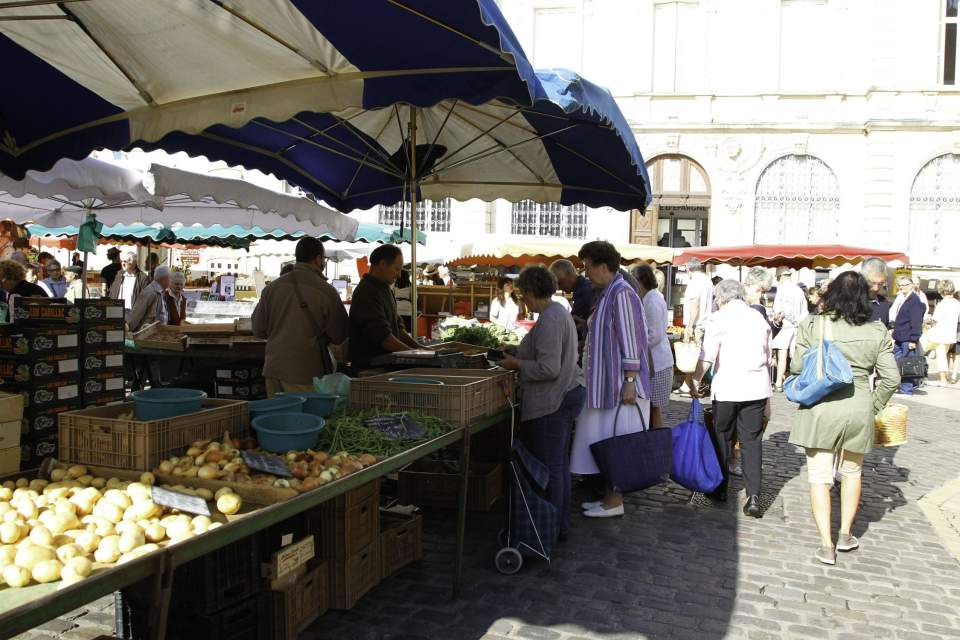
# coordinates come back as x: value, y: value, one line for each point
x: 101, y: 351
x: 11, y: 416
x: 241, y: 381
x: 40, y: 360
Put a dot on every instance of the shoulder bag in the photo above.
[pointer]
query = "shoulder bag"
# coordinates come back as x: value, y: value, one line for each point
x: 695, y: 464
x: 825, y: 370
x: 634, y: 461
x: 322, y: 342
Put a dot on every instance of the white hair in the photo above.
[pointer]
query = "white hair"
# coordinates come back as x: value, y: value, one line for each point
x: 176, y: 276
x: 874, y: 266
x: 129, y: 255
x: 727, y: 291
x: 694, y: 264
x: 759, y: 277
x: 563, y: 267
x: 161, y: 272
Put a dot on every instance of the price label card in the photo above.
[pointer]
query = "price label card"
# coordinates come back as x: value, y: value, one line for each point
x: 397, y: 427
x: 180, y: 501
x: 266, y: 464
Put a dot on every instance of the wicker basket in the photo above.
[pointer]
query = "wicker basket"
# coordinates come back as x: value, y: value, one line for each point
x: 891, y: 426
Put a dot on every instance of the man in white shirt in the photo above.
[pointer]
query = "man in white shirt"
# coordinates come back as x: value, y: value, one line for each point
x: 128, y: 284
x: 697, y: 302
x: 736, y: 344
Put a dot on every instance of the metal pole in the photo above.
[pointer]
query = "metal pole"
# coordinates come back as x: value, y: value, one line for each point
x: 412, y: 185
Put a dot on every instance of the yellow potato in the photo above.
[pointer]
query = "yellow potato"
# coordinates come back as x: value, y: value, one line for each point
x: 147, y: 478
x: 28, y: 557
x: 88, y: 541
x: 118, y: 498
x: 108, y: 550
x: 99, y: 483
x: 130, y: 540
x: 9, y: 532
x: 47, y: 571
x: 58, y: 474
x: 41, y: 536
x: 78, y: 566
x: 38, y: 484
x: 200, y: 524
x: 16, y: 576
x: 76, y: 471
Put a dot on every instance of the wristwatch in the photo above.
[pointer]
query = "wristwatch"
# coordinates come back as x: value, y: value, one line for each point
x: 630, y: 379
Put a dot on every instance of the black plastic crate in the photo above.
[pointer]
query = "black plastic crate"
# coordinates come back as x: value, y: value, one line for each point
x: 98, y: 359
x: 96, y: 336
x: 245, y: 620
x: 20, y: 370
x: 38, y: 395
x: 44, y: 422
x: 219, y: 579
x: 239, y: 373
x: 45, y: 311
x: 34, y: 449
x: 253, y: 390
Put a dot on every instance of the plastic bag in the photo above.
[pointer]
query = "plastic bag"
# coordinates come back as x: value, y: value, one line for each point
x: 336, y: 384
x: 695, y: 465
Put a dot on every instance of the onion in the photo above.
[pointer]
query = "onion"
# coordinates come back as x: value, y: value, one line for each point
x: 166, y: 467
x: 147, y: 478
x: 229, y: 503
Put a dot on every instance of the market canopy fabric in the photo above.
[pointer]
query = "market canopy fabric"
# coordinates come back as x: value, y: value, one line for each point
x: 521, y: 252
x: 162, y: 195
x: 99, y: 78
x: 797, y: 256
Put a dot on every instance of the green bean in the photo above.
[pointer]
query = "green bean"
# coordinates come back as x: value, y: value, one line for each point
x: 348, y: 432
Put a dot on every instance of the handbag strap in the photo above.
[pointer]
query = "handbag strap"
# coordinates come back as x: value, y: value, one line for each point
x: 616, y: 418
x: 322, y: 341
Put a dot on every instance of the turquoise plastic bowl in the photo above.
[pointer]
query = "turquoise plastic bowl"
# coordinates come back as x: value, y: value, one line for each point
x: 166, y: 402
x: 282, y: 432
x: 318, y: 404
x: 277, y: 404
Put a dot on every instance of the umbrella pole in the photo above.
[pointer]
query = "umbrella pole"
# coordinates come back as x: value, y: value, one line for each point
x: 415, y: 310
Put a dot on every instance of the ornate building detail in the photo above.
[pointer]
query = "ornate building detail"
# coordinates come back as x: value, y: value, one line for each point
x: 735, y: 165
x: 798, y: 202
x: 935, y: 212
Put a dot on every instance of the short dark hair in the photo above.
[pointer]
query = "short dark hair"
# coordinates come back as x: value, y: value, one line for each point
x: 536, y: 281
x: 848, y: 297
x: 385, y: 253
x: 645, y: 276
x: 285, y: 269
x: 601, y: 252
x: 404, y: 280
x: 308, y: 249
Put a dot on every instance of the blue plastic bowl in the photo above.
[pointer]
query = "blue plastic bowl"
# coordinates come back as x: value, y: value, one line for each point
x: 276, y: 404
x: 166, y: 402
x: 282, y: 432
x: 318, y: 404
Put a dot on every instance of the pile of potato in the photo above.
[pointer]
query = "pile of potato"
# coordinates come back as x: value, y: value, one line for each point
x: 56, y: 530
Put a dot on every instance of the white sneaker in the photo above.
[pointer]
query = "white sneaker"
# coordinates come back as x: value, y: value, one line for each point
x: 600, y: 512
x: 590, y: 506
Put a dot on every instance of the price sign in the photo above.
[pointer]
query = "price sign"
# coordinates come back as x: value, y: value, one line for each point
x: 397, y: 427
x: 266, y: 464
x: 180, y: 501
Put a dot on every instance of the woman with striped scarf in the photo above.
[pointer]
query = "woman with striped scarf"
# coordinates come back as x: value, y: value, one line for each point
x: 616, y: 363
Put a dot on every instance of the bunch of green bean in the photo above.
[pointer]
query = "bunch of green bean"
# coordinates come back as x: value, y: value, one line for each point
x: 348, y: 432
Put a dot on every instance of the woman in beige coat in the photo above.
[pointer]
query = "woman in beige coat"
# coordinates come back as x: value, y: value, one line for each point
x: 841, y: 425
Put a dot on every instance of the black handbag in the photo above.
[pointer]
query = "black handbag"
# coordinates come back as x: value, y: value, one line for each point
x: 634, y: 461
x: 913, y: 367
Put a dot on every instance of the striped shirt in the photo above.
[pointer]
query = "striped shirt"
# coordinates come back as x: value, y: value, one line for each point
x: 617, y: 340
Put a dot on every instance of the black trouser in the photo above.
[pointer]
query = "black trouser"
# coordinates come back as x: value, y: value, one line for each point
x: 743, y: 421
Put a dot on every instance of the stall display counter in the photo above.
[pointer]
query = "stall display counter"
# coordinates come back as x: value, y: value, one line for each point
x: 26, y: 608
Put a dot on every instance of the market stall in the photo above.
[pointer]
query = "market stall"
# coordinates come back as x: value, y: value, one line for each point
x: 782, y: 255
x: 517, y: 253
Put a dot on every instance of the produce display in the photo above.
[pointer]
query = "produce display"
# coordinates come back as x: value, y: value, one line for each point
x: 488, y: 335
x: 65, y: 527
x: 346, y: 445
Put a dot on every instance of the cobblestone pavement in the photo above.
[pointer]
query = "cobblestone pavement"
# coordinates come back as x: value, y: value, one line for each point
x: 676, y: 568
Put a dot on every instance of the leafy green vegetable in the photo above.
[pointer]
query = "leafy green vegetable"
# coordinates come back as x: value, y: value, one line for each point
x: 489, y: 335
x: 347, y: 432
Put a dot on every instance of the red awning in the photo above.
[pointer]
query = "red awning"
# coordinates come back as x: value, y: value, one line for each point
x: 797, y: 256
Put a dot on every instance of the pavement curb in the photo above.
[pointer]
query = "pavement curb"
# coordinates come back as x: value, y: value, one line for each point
x: 932, y: 506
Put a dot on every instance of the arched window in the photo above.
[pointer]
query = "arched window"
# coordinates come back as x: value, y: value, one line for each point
x: 679, y: 213
x: 798, y: 202
x: 935, y: 212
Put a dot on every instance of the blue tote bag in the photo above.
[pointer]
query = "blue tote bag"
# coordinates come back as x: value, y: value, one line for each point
x: 695, y: 465
x: 825, y: 370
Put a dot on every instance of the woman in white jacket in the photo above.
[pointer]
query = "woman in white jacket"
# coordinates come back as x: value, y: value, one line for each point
x: 504, y: 309
x: 657, y: 319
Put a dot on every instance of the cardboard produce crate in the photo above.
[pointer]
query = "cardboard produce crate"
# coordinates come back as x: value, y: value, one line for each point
x: 45, y: 393
x: 462, y: 396
x: 97, y: 359
x: 48, y: 311
x: 35, y: 449
x: 43, y: 421
x: 33, y: 341
x: 101, y: 310
x: 239, y: 373
x: 10, y: 434
x: 9, y: 460
x: 101, y: 335
x: 20, y: 370
x: 100, y: 437
x: 430, y: 483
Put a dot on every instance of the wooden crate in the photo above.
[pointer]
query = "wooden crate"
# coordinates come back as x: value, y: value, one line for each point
x: 11, y: 407
x: 160, y: 336
x: 352, y: 577
x: 296, y: 606
x: 428, y: 483
x: 465, y: 395
x: 100, y: 437
x: 401, y: 541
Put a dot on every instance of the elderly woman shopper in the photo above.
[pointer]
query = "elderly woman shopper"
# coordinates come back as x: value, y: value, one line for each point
x: 943, y: 334
x: 553, y: 391
x: 838, y: 430
x: 657, y: 319
x: 174, y: 301
x: 55, y: 284
x: 736, y: 343
x: 616, y: 368
x: 74, y: 283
